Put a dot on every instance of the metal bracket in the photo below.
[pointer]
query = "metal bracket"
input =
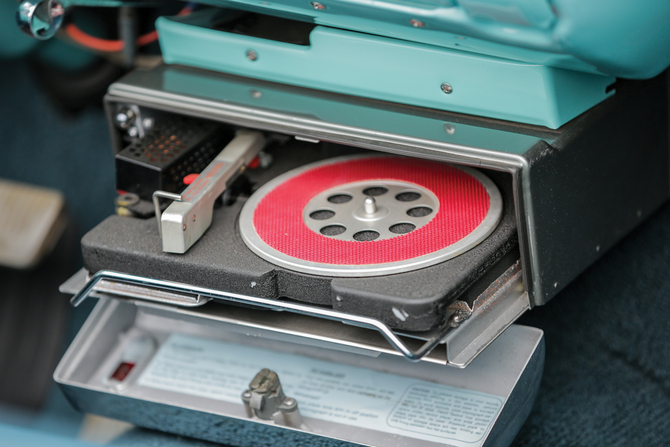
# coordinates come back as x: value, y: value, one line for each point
x: 266, y: 400
x: 156, y: 196
x: 465, y: 332
x: 202, y: 295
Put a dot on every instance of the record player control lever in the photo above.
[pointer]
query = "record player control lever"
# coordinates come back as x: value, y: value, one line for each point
x: 370, y: 205
x: 198, y: 198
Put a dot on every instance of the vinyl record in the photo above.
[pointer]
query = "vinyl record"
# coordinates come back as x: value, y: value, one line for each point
x: 369, y: 215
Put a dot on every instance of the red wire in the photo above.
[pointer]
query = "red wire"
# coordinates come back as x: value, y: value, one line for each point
x: 147, y: 38
x: 111, y: 46
x: 92, y: 42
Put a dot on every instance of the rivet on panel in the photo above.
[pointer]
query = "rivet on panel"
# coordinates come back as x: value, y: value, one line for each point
x: 148, y: 123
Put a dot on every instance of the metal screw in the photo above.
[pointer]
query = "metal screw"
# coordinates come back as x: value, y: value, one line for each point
x: 449, y: 128
x: 247, y: 394
x: 318, y: 5
x: 148, y: 123
x: 256, y: 93
x: 252, y: 55
x: 133, y: 132
x: 124, y: 118
x: 447, y: 88
x: 183, y: 228
x: 289, y: 402
x: 417, y: 23
x: 458, y: 317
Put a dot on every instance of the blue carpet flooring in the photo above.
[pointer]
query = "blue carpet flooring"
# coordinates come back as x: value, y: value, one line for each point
x: 607, y: 372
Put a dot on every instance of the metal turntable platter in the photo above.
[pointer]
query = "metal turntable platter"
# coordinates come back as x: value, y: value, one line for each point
x: 370, y: 215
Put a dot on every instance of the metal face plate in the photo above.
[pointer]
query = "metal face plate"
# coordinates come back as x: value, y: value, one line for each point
x: 265, y: 251
x: 397, y: 208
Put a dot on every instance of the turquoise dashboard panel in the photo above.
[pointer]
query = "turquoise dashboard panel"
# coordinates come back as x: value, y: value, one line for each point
x: 389, y: 69
x: 621, y: 38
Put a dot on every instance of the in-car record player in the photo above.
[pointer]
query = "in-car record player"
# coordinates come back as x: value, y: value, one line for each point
x: 331, y: 214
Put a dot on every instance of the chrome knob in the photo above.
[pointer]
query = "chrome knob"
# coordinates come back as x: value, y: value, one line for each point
x: 125, y: 118
x: 40, y: 18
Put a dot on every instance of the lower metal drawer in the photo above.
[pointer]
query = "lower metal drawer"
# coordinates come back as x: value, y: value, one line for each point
x: 159, y: 369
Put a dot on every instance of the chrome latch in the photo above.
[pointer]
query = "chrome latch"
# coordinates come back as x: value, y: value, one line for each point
x: 266, y: 400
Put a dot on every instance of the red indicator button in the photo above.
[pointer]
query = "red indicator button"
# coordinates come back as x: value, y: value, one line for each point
x: 253, y: 164
x: 190, y: 179
x: 122, y: 371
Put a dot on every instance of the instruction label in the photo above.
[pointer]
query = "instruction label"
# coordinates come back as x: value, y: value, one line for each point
x: 327, y: 391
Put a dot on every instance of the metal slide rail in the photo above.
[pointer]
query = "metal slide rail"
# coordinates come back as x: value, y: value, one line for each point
x: 192, y: 296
